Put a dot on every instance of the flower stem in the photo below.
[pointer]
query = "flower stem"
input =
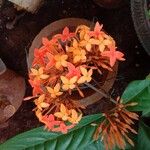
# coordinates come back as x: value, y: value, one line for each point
x: 101, y: 92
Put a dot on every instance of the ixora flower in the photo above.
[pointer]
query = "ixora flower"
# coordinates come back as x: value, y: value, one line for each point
x: 86, y: 75
x: 55, y: 92
x: 61, y: 65
x: 38, y: 73
x: 60, y: 61
x: 68, y: 83
x: 113, y: 54
x: 116, y: 126
x: 65, y: 35
x: 40, y: 102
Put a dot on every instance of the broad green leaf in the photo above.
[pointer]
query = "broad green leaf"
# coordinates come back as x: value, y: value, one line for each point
x: 39, y: 139
x: 143, y: 137
x: 138, y: 91
x: 95, y: 145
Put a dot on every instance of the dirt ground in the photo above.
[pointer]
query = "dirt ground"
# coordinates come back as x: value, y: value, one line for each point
x: 15, y: 42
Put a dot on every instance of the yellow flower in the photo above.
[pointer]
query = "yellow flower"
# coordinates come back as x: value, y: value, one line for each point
x: 55, y: 92
x: 61, y: 61
x: 73, y: 47
x: 38, y: 73
x: 82, y: 29
x: 104, y: 41
x: 38, y: 113
x: 86, y: 75
x: 87, y: 42
x: 74, y: 117
x: 68, y: 83
x: 79, y: 55
x: 63, y: 114
x: 40, y: 102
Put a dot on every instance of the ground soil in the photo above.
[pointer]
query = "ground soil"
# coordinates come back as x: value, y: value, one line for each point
x: 15, y: 42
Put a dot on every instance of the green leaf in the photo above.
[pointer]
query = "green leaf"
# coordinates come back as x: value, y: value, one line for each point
x: 96, y: 145
x: 39, y: 139
x: 143, y: 137
x: 138, y: 91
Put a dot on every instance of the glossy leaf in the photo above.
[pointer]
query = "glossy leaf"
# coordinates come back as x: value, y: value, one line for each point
x: 39, y: 139
x: 138, y: 91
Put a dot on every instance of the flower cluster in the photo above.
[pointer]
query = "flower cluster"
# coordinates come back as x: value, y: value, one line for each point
x: 61, y: 65
x: 116, y: 126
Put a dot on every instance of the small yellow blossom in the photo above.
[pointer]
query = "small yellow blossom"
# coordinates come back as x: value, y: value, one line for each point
x: 55, y: 92
x: 61, y: 61
x: 104, y: 41
x: 74, y: 117
x: 40, y: 102
x: 63, y: 114
x: 82, y: 29
x: 87, y: 42
x: 73, y: 47
x: 38, y: 73
x: 79, y: 55
x: 68, y: 83
x: 86, y: 75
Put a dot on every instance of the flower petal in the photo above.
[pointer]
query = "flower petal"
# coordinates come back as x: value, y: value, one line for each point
x: 64, y: 79
x: 81, y: 80
x: 83, y: 71
x: 73, y: 80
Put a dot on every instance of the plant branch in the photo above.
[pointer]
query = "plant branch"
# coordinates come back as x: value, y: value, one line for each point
x: 101, y: 92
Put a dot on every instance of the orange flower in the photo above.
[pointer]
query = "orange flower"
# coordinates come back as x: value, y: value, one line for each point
x: 55, y: 92
x: 38, y: 73
x: 40, y: 102
x: 39, y: 57
x: 61, y: 61
x: 97, y: 30
x: 36, y: 87
x: 68, y: 83
x: 50, y: 122
x: 48, y: 43
x: 51, y: 61
x: 116, y: 126
x: 113, y: 55
x: 73, y: 71
x: 65, y: 35
x: 63, y: 114
x: 74, y: 117
x: 63, y: 128
x: 86, y: 75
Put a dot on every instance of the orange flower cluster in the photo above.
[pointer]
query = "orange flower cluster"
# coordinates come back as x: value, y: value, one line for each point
x: 116, y: 126
x: 62, y: 64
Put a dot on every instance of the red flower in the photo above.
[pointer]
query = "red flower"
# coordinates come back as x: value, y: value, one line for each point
x: 50, y: 121
x: 97, y: 30
x: 36, y: 87
x: 113, y: 55
x: 51, y: 60
x: 38, y: 56
x: 63, y: 128
x: 73, y: 71
x: 65, y: 34
x: 48, y: 43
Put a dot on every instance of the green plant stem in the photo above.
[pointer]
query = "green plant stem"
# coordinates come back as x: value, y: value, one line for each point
x: 101, y: 92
